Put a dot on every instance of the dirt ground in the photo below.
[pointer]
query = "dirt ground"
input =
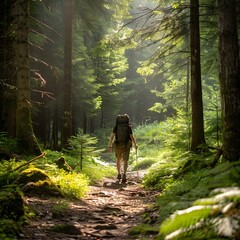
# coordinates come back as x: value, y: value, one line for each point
x: 108, y: 212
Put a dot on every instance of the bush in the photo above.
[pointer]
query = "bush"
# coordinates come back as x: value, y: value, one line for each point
x: 72, y: 185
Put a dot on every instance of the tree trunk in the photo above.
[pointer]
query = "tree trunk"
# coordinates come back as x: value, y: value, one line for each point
x: 24, y: 130
x: 229, y: 76
x: 67, y: 89
x: 196, y: 86
x: 7, y: 81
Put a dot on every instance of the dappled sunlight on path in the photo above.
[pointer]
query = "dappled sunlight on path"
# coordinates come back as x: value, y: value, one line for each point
x: 108, y: 212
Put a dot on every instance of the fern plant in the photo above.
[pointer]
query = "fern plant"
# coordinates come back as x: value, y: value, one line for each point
x: 184, y: 222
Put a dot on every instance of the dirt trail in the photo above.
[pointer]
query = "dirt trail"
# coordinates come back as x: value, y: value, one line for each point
x: 108, y: 212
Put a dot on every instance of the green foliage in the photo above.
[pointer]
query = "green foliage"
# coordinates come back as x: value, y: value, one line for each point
x: 191, y: 189
x: 158, y: 176
x: 143, y: 164
x: 94, y: 169
x: 83, y: 146
x: 206, y: 219
x: 6, y: 177
x: 7, y: 144
x: 72, y: 185
x: 96, y: 172
x: 9, y: 229
x: 185, y: 219
x: 103, y: 136
x: 31, y: 174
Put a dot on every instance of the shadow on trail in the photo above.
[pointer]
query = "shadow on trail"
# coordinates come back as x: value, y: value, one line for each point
x: 108, y: 212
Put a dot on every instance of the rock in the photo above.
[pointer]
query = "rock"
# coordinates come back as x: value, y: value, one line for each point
x: 31, y: 175
x: 42, y: 188
x: 105, y: 226
x: 66, y: 229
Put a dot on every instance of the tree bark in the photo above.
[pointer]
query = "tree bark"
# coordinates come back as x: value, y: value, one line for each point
x: 24, y: 131
x: 67, y: 105
x: 229, y: 76
x: 198, y: 137
x: 7, y: 81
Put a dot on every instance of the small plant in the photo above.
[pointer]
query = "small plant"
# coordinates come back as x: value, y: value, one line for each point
x: 83, y: 146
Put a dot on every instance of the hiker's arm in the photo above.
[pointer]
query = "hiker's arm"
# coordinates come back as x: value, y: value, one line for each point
x: 111, y: 141
x: 134, y: 141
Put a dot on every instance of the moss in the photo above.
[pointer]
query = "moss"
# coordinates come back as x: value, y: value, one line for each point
x: 42, y: 188
x: 62, y: 164
x: 31, y: 175
x: 8, y: 229
x: 11, y: 204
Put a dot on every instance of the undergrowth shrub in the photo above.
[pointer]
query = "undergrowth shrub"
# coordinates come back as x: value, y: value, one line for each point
x: 9, y: 229
x: 72, y: 184
x: 141, y: 164
x: 158, y: 176
x: 7, y: 144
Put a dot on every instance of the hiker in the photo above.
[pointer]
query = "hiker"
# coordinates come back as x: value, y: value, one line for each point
x: 123, y: 135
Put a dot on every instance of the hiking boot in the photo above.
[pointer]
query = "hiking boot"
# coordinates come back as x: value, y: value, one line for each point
x: 124, y: 178
x: 119, y: 176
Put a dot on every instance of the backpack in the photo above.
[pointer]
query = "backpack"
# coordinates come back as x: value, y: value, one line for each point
x: 122, y: 130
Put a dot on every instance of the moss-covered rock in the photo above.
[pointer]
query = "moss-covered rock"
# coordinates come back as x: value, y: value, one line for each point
x: 62, y: 164
x: 42, y: 188
x: 31, y: 175
x: 11, y: 204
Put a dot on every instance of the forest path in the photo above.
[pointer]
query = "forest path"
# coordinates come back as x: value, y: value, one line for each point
x: 108, y: 212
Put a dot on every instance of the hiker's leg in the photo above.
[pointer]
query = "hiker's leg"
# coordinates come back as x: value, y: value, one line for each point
x: 119, y: 165
x: 125, y: 166
x: 125, y: 159
x: 118, y: 155
x: 125, y: 163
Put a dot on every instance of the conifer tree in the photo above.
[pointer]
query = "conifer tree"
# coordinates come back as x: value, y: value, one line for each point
x: 24, y: 130
x: 229, y: 76
x: 196, y: 85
